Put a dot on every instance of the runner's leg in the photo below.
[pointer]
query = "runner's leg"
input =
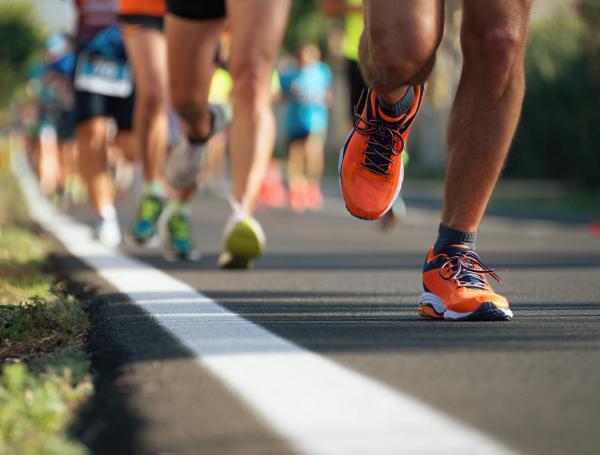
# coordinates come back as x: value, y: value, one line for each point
x: 296, y: 174
x: 257, y: 30
x: 93, y: 153
x: 315, y: 157
x: 191, y: 48
x: 487, y: 106
x: 147, y: 52
x: 482, y: 124
x: 397, y: 51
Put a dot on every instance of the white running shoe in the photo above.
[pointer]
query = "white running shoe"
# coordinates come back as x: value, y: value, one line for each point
x: 107, y: 231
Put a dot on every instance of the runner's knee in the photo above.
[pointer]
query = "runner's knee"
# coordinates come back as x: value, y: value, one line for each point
x: 251, y: 85
x: 388, y: 60
x: 91, y: 134
x: 190, y: 110
x: 151, y: 101
x: 496, y: 49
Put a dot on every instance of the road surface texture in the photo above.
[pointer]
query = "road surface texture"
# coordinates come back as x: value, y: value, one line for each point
x: 340, y: 288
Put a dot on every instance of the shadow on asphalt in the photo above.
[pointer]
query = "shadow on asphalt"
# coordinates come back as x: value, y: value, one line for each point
x: 334, y: 322
x: 126, y: 344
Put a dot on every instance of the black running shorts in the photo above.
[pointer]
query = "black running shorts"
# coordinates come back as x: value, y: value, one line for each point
x: 143, y: 20
x: 197, y: 9
x: 89, y: 105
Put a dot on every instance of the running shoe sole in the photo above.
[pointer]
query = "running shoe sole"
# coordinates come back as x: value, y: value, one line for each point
x: 432, y: 307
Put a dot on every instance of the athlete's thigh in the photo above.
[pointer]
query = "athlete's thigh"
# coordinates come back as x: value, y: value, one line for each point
x: 257, y: 28
x: 191, y: 50
x: 147, y: 53
x: 489, y: 16
x: 404, y: 25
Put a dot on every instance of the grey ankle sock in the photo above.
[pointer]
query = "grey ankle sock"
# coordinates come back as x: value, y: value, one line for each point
x: 401, y: 107
x: 448, y: 236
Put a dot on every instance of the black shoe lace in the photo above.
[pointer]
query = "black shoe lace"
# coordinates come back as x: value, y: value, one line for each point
x: 384, y: 139
x: 468, y: 270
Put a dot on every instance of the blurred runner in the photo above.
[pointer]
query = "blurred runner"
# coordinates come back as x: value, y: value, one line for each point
x: 61, y: 69
x: 307, y: 87
x: 142, y: 25
x: 272, y: 191
x: 193, y: 31
x: 397, y: 54
x: 103, y: 89
x: 213, y: 175
x: 352, y: 13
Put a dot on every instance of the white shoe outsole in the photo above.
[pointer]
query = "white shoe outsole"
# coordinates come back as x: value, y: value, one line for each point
x: 438, y: 305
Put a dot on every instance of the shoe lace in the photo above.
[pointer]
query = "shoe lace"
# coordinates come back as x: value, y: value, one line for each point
x: 468, y: 270
x: 384, y: 139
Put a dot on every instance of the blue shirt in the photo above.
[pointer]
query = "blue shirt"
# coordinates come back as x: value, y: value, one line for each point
x: 307, y: 89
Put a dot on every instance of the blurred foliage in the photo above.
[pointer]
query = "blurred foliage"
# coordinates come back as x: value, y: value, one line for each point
x: 306, y: 25
x: 13, y: 210
x: 22, y: 38
x: 559, y: 134
x: 36, y: 410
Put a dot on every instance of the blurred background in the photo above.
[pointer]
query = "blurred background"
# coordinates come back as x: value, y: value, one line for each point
x: 555, y: 161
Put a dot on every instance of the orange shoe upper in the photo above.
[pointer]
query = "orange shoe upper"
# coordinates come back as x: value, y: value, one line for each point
x: 457, y: 276
x: 371, y: 170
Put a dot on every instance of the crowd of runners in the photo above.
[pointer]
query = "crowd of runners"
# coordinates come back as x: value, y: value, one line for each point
x: 180, y: 88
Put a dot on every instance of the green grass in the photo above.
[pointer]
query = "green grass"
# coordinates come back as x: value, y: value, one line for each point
x: 35, y: 410
x: 44, y: 371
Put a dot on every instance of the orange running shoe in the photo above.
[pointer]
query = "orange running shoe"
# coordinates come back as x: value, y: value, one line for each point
x: 370, y: 167
x: 456, y: 288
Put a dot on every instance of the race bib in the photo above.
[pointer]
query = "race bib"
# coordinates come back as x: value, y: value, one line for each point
x: 104, y: 76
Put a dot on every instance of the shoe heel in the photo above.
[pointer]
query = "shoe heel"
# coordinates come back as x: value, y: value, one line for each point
x: 243, y: 243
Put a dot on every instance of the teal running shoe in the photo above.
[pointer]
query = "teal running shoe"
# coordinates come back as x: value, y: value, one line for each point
x: 145, y: 229
x: 178, y: 244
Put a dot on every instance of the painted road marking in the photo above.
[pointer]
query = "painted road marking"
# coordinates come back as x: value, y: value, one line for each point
x: 319, y: 406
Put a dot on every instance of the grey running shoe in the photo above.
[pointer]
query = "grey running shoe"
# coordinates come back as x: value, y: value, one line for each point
x: 185, y: 160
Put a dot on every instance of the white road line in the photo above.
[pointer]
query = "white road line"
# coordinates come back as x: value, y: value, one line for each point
x: 320, y: 407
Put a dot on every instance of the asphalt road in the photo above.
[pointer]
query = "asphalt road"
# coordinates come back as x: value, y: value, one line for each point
x: 339, y: 287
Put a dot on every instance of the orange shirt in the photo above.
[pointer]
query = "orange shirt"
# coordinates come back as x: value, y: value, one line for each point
x: 142, y: 7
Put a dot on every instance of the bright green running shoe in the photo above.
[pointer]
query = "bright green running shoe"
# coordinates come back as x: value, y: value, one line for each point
x: 244, y: 242
x: 178, y: 244
x: 145, y: 230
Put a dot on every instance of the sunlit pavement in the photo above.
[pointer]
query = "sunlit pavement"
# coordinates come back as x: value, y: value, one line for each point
x: 341, y: 288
